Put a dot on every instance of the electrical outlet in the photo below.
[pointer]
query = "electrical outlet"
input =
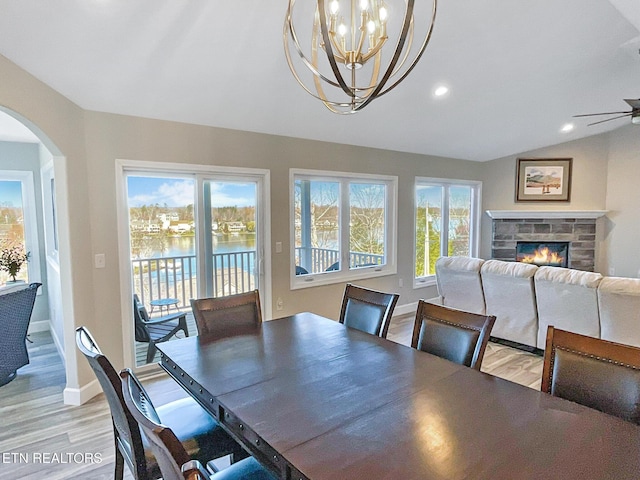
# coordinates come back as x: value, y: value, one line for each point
x: 279, y: 304
x: 99, y: 260
x: 400, y: 282
x: 612, y: 271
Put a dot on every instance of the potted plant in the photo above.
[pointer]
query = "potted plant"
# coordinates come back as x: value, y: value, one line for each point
x: 12, y: 257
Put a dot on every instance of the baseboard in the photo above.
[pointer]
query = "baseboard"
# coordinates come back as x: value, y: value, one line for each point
x: 58, y: 344
x: 39, y: 326
x: 411, y: 308
x: 78, y: 396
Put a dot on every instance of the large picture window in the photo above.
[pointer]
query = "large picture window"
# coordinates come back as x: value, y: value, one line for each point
x: 446, y: 223
x: 343, y: 226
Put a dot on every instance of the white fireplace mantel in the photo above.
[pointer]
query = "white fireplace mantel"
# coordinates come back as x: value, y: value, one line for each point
x: 534, y: 214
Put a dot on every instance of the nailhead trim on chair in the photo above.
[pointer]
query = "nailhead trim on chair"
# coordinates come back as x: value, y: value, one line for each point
x: 467, y: 327
x: 584, y: 354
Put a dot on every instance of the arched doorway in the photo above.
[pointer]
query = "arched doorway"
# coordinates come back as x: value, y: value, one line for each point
x: 27, y: 149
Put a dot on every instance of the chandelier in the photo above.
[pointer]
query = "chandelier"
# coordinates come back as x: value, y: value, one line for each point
x: 358, y: 51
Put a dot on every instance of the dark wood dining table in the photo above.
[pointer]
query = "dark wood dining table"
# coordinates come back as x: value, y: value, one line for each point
x: 313, y: 399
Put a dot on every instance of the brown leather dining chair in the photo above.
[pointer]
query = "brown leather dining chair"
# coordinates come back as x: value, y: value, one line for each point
x: 592, y: 372
x: 227, y: 316
x: 367, y: 310
x: 193, y: 426
x: 458, y: 336
x: 174, y: 461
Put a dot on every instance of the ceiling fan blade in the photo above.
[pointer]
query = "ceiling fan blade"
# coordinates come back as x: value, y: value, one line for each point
x: 633, y: 103
x: 613, y: 118
x: 603, y: 113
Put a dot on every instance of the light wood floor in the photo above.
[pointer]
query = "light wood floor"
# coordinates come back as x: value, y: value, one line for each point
x: 40, y: 437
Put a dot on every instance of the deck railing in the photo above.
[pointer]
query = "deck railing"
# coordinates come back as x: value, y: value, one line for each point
x: 325, y: 259
x: 176, y: 277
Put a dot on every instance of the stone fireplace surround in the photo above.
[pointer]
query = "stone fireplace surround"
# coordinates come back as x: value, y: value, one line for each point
x: 576, y: 227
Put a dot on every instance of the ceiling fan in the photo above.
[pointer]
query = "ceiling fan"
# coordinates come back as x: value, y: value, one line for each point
x: 634, y: 113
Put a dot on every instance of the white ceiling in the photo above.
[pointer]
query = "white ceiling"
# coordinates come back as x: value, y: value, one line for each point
x: 518, y: 70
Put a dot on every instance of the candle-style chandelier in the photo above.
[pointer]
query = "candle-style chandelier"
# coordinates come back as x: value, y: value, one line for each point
x: 359, y: 49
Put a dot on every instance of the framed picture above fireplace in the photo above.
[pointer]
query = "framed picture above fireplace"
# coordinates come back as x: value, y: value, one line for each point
x: 543, y: 180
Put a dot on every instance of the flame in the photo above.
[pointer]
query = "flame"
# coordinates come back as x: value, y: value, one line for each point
x: 543, y: 256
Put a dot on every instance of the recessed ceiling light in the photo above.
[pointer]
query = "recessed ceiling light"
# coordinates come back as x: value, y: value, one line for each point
x: 441, y: 91
x: 567, y: 127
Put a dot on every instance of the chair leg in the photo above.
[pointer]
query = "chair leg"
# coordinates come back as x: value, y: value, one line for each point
x: 151, y: 352
x: 119, y: 469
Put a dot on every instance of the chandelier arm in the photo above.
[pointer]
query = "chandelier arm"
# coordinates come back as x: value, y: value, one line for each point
x: 418, y: 56
x: 305, y: 60
x: 396, y: 55
x: 310, y: 92
x: 327, y: 45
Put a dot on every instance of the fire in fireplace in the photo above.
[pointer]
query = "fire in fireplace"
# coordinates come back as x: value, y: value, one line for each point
x: 554, y: 254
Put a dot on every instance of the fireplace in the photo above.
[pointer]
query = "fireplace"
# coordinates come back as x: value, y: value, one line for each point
x: 554, y: 254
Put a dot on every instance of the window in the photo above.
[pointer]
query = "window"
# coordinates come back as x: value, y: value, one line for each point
x: 18, y: 224
x: 446, y: 223
x: 344, y: 226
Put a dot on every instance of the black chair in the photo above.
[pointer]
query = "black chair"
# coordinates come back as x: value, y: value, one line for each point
x: 175, y: 463
x: 15, y: 313
x: 592, y: 372
x: 458, y: 336
x: 227, y: 316
x: 367, y: 310
x: 156, y: 330
x: 193, y: 426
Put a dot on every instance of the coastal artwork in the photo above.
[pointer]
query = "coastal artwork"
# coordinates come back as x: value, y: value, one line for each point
x: 543, y: 179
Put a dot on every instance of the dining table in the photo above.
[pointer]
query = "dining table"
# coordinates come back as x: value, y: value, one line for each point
x: 312, y: 399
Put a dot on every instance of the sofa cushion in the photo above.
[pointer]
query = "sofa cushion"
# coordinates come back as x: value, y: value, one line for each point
x: 459, y: 283
x: 619, y: 306
x: 509, y: 294
x: 567, y: 299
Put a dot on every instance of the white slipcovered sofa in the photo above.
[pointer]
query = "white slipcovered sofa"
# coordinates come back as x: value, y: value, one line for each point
x: 526, y: 299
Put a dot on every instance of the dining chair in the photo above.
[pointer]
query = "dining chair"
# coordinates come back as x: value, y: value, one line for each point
x: 227, y: 316
x: 174, y: 461
x: 193, y: 426
x: 367, y: 310
x: 596, y: 373
x: 15, y: 313
x: 458, y: 336
x: 156, y: 330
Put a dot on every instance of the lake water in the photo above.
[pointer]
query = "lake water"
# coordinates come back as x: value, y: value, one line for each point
x: 225, y: 243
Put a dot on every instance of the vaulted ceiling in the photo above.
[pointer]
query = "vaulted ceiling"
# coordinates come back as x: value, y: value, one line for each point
x: 517, y: 70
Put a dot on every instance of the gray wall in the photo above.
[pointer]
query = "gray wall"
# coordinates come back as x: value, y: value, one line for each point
x: 588, y: 186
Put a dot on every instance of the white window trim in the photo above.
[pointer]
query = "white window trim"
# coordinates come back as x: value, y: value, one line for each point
x: 124, y: 167
x: 474, y: 233
x: 346, y: 275
x: 30, y: 214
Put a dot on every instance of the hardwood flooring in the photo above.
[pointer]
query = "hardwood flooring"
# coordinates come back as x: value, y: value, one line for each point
x: 40, y: 437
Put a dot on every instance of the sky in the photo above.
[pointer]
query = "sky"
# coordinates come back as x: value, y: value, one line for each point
x: 11, y: 193
x: 179, y: 192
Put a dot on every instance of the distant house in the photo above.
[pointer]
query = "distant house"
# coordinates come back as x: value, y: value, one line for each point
x: 180, y: 227
x: 233, y: 227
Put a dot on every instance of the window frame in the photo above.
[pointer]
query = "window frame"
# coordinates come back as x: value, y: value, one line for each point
x: 391, y: 235
x: 30, y: 222
x: 474, y: 230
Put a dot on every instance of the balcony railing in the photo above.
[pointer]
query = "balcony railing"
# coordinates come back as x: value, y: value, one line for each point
x: 176, y: 277
x: 325, y: 259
